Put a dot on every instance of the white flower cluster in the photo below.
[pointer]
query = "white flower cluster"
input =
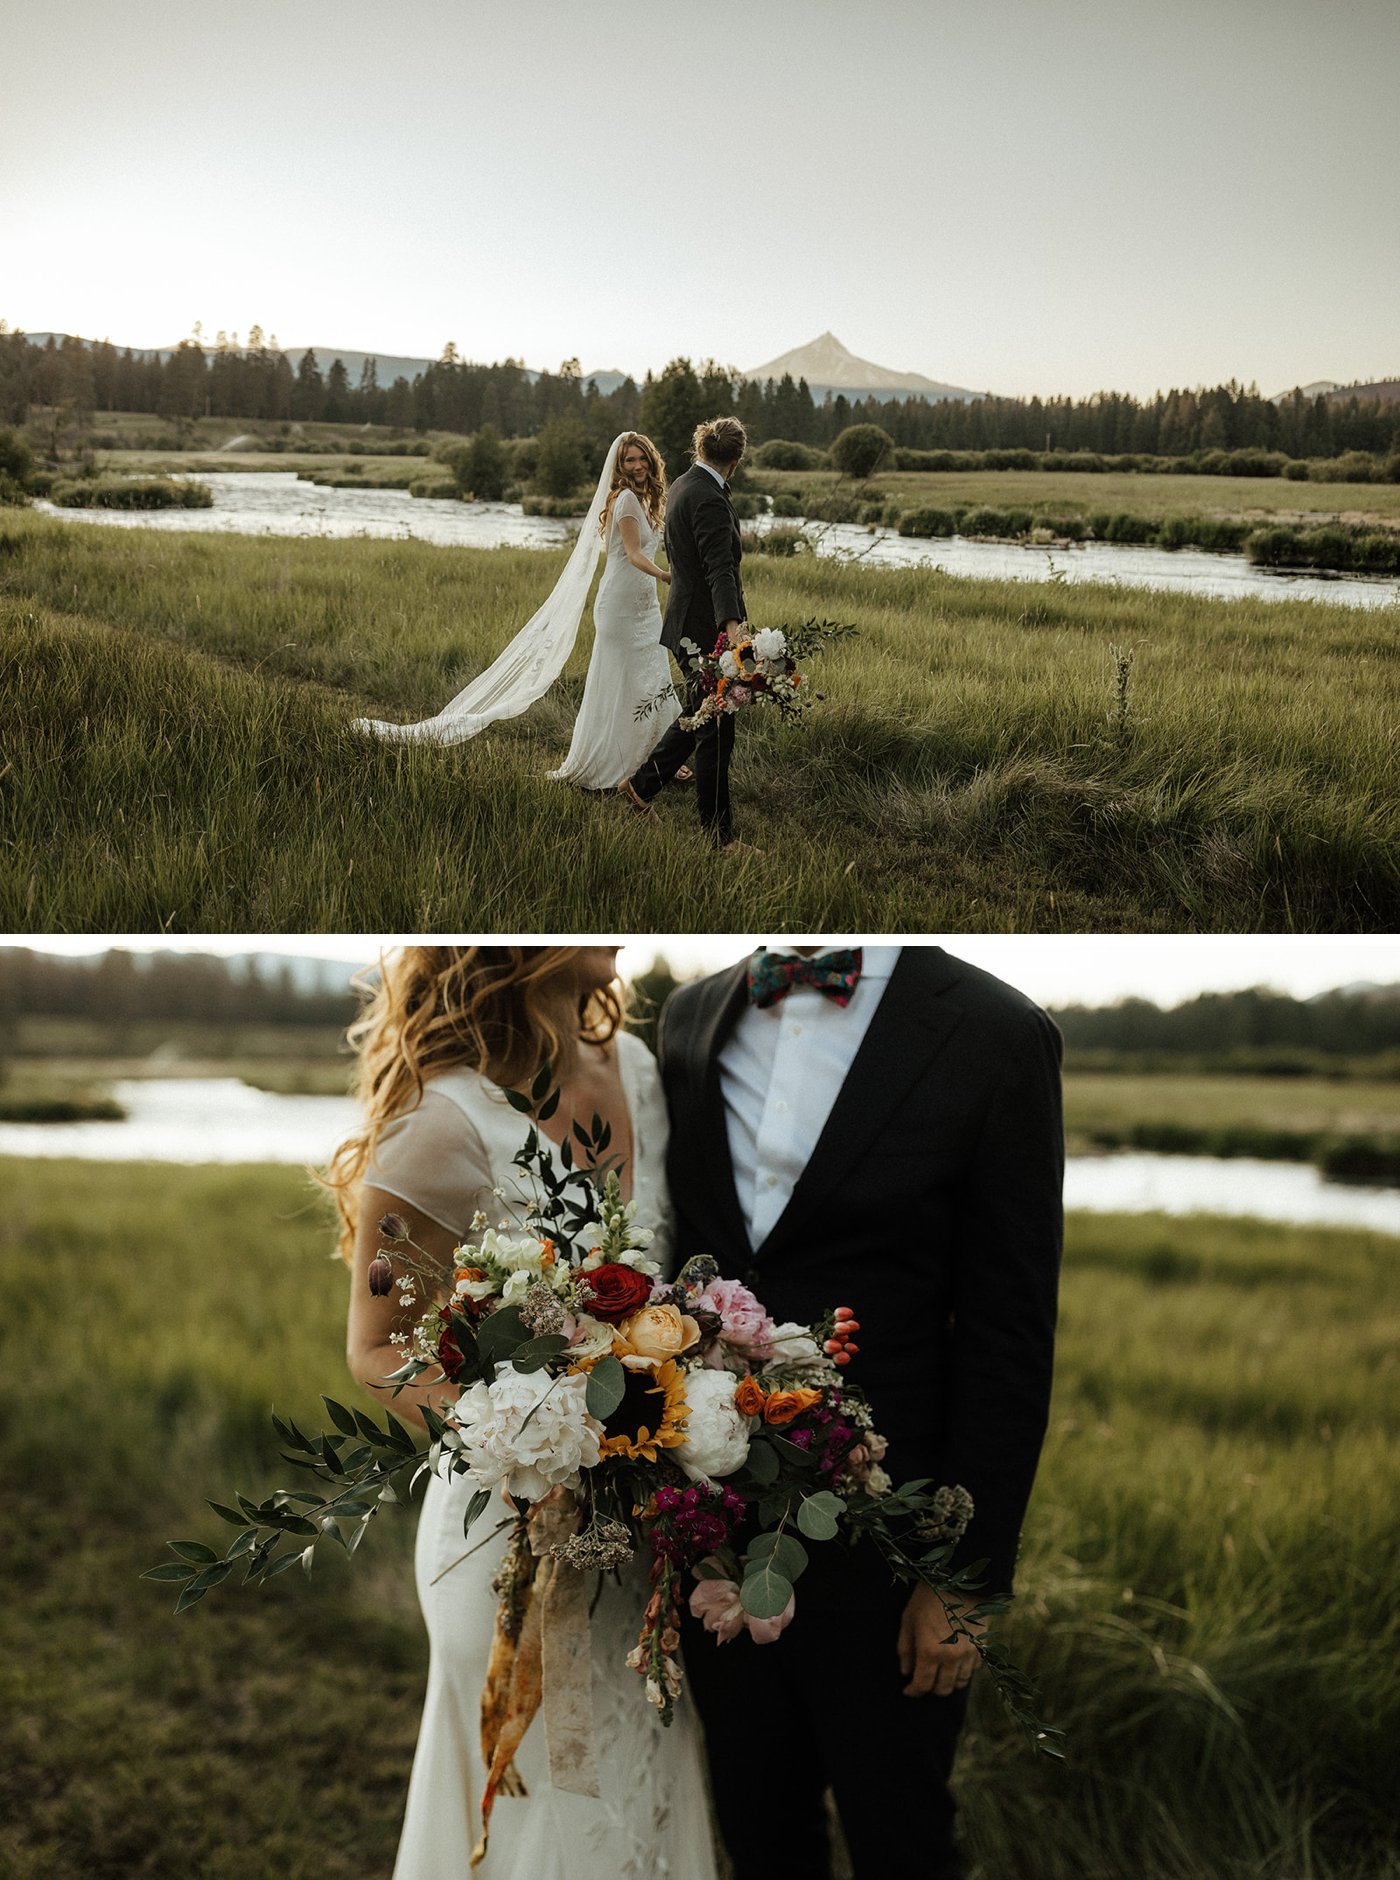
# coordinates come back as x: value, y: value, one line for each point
x: 526, y: 1428
x: 770, y: 646
x: 717, y: 1431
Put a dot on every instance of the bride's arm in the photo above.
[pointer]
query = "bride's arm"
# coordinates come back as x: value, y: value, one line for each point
x: 630, y: 531
x: 372, y: 1322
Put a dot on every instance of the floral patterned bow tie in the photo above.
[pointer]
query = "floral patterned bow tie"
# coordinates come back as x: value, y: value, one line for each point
x: 772, y: 976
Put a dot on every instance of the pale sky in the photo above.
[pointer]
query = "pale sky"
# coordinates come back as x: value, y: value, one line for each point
x: 1053, y: 969
x: 1020, y: 196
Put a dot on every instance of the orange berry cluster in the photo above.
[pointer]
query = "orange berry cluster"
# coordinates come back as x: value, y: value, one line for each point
x: 841, y: 1346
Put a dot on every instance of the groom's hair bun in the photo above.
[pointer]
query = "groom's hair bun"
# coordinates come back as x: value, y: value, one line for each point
x: 720, y: 440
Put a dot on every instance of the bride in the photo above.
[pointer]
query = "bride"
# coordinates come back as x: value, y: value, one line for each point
x: 629, y: 666
x: 448, y: 1029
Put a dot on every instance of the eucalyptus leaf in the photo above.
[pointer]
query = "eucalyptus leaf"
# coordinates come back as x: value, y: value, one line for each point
x: 500, y: 1334
x: 784, y: 1553
x: 607, y: 1385
x: 169, y: 1570
x: 818, y: 1516
x: 549, y: 1106
x: 764, y: 1593
x: 519, y: 1102
x: 230, y: 1515
x: 536, y: 1352
x: 475, y: 1507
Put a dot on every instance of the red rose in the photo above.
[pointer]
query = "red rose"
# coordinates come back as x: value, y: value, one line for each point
x: 617, y: 1291
x: 449, y: 1353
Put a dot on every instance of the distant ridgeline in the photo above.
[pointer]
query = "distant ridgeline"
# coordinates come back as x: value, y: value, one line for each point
x: 257, y: 383
x: 1256, y: 1030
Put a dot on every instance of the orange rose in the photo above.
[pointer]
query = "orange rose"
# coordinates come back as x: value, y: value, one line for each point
x: 750, y: 1398
x: 783, y: 1405
x: 654, y: 1335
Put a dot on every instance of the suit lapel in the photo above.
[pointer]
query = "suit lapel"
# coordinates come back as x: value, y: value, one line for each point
x: 722, y: 1002
x: 916, y: 1017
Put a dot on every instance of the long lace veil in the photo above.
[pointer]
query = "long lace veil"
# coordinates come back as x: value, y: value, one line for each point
x: 533, y: 660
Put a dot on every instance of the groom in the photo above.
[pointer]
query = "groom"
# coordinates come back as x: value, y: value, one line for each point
x: 877, y: 1127
x: 706, y: 597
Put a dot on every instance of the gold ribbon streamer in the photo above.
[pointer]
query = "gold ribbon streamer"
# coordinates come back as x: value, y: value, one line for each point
x: 544, y: 1657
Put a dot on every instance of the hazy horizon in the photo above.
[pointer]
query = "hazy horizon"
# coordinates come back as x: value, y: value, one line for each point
x: 1053, y: 969
x: 1022, y: 199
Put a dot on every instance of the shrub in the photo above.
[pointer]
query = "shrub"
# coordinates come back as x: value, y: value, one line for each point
x: 986, y: 521
x: 1297, y: 469
x: 787, y: 503
x: 1067, y: 528
x: 562, y: 463
x: 833, y: 506
x: 483, y: 468
x: 1354, y: 466
x: 1019, y: 522
x: 524, y: 455
x: 746, y: 505
x: 873, y: 512
x: 861, y: 449
x: 1010, y: 460
x: 776, y: 542
x: 1087, y: 461
x: 781, y: 453
x: 434, y: 487
x: 132, y: 493
x: 928, y: 522
x: 926, y: 460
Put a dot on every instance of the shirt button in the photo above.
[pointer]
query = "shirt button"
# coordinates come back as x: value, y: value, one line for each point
x: 781, y: 1106
x: 772, y: 1181
x: 797, y: 1031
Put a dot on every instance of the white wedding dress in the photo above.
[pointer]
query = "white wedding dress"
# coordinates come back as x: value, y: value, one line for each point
x: 629, y: 664
x: 652, y: 1816
x: 629, y: 667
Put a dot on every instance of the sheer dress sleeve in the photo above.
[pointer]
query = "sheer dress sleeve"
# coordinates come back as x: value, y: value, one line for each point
x: 434, y: 1160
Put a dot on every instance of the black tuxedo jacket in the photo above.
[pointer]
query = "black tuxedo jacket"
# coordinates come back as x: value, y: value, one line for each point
x: 931, y: 1206
x: 704, y: 551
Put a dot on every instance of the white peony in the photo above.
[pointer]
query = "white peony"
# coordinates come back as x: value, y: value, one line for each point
x: 770, y: 643
x: 717, y: 1432
x: 792, y: 1347
x: 558, y: 1441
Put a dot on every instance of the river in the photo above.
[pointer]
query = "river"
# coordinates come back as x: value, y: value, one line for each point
x: 278, y: 502
x: 221, y: 1119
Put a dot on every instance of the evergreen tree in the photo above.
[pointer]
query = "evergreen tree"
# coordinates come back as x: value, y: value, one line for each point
x: 672, y: 406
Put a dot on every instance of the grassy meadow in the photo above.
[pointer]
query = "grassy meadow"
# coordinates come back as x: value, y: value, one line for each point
x: 990, y: 755
x: 1207, y: 1592
x: 1072, y: 493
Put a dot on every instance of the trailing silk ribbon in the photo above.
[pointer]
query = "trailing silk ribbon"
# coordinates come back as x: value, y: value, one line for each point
x: 539, y: 1658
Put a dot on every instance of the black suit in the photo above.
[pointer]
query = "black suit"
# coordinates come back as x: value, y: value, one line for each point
x: 704, y: 552
x: 931, y: 1205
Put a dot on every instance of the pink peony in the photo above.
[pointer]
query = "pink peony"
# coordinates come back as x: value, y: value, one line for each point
x: 743, y: 1321
x: 717, y: 1604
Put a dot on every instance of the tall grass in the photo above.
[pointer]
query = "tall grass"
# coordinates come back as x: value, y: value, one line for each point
x: 1208, y: 1589
x: 179, y: 754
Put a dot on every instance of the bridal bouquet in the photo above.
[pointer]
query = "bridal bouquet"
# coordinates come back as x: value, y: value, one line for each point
x: 618, y: 1415
x: 753, y: 665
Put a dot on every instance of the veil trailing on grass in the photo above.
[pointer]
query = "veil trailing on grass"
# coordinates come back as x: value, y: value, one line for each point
x: 531, y: 663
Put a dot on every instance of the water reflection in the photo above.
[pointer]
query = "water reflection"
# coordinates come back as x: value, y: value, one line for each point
x: 219, y: 1119
x: 277, y: 502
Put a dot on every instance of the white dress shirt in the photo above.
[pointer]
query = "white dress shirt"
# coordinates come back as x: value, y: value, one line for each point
x: 718, y: 475
x: 780, y: 1071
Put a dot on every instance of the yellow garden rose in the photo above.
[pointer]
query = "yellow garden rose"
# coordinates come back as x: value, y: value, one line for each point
x: 653, y: 1336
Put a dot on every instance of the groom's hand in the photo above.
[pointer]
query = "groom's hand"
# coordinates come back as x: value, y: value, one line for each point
x: 925, y: 1658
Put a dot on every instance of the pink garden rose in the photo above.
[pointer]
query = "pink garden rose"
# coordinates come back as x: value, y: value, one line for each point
x: 717, y: 1604
x: 743, y: 1321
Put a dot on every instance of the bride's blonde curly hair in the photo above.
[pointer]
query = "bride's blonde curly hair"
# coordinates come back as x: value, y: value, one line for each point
x: 653, y: 495
x: 495, y: 1009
